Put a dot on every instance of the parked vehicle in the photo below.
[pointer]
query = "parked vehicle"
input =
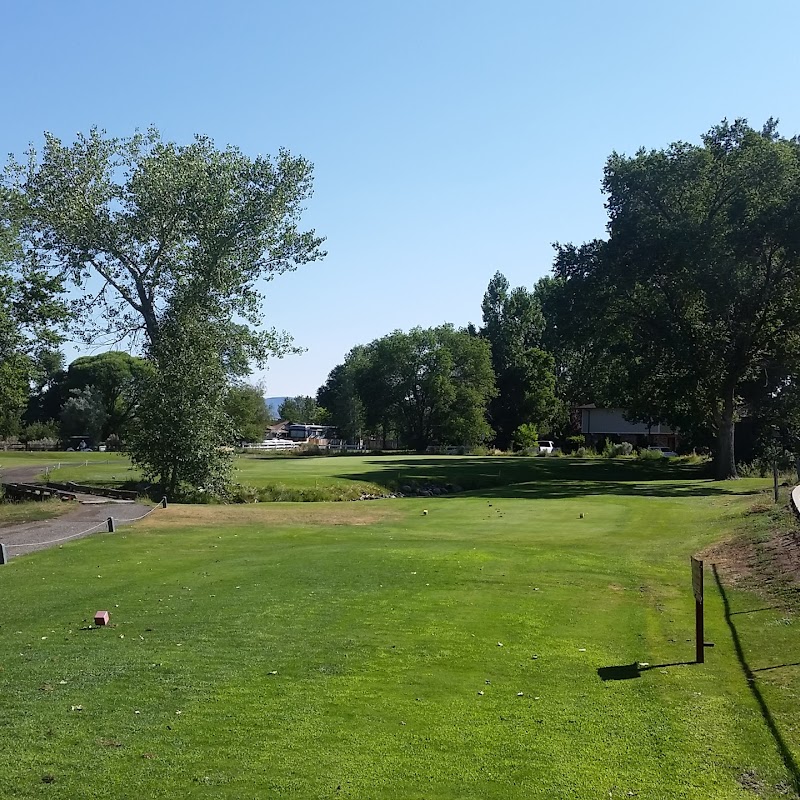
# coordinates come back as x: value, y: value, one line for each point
x: 665, y: 451
x: 546, y: 446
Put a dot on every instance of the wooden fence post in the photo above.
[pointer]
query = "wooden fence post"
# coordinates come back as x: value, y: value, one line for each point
x: 697, y: 587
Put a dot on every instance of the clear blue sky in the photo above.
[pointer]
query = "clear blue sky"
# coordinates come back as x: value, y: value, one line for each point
x: 450, y: 139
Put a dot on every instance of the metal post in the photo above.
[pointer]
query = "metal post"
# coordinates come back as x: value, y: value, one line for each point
x: 3, y: 554
x: 111, y: 528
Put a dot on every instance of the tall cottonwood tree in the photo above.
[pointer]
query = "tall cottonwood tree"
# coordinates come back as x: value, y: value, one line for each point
x: 151, y: 231
x: 697, y: 288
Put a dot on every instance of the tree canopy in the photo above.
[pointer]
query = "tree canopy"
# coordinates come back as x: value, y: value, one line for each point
x: 83, y: 414
x: 696, y: 290
x: 513, y: 325
x: 136, y: 221
x: 301, y: 409
x: 425, y: 387
x: 340, y: 394
x: 31, y: 315
x: 115, y: 376
x: 247, y: 409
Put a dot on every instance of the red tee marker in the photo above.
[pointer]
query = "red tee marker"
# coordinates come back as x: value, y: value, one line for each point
x: 101, y: 618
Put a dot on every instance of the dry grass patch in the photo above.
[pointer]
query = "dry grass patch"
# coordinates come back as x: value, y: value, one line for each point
x: 283, y: 514
x: 763, y: 554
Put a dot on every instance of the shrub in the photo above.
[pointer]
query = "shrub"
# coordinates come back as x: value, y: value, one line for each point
x: 42, y: 444
x: 617, y: 450
x: 691, y: 458
x: 650, y: 455
x: 278, y: 492
x: 572, y: 443
x: 581, y: 452
x: 526, y: 436
x: 39, y: 431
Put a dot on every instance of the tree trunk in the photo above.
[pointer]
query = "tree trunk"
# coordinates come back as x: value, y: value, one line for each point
x: 724, y: 458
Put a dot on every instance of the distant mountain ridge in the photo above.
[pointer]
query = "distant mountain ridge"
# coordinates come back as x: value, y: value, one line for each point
x: 273, y: 404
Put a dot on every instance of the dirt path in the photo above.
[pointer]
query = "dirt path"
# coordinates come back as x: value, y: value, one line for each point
x: 88, y: 516
x: 22, y: 474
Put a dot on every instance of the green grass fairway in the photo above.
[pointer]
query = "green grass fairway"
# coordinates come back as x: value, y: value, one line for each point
x: 18, y: 458
x: 353, y: 650
x: 348, y: 477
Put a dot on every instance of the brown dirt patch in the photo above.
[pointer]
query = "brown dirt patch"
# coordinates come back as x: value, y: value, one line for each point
x: 750, y: 781
x: 763, y: 555
x: 276, y: 514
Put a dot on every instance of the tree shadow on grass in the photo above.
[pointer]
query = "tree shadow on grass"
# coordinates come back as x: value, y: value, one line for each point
x: 749, y: 673
x: 545, y: 478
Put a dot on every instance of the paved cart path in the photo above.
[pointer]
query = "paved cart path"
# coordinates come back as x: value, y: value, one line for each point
x: 89, y: 512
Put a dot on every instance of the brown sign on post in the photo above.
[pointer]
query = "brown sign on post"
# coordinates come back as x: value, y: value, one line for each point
x: 697, y: 579
x: 697, y: 587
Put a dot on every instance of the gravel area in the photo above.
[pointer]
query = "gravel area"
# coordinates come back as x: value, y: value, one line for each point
x: 89, y: 516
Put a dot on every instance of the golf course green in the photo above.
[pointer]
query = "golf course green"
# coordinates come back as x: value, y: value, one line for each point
x: 529, y: 638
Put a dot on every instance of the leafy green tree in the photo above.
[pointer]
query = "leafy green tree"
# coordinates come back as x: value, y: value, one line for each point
x: 340, y: 395
x: 427, y: 386
x: 150, y: 230
x: 473, y: 379
x: 114, y: 375
x: 248, y: 412
x: 772, y: 402
x: 84, y: 415
x: 183, y: 434
x: 586, y: 368
x: 31, y: 312
x: 524, y: 372
x: 697, y: 288
x: 300, y: 409
x: 49, y: 392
